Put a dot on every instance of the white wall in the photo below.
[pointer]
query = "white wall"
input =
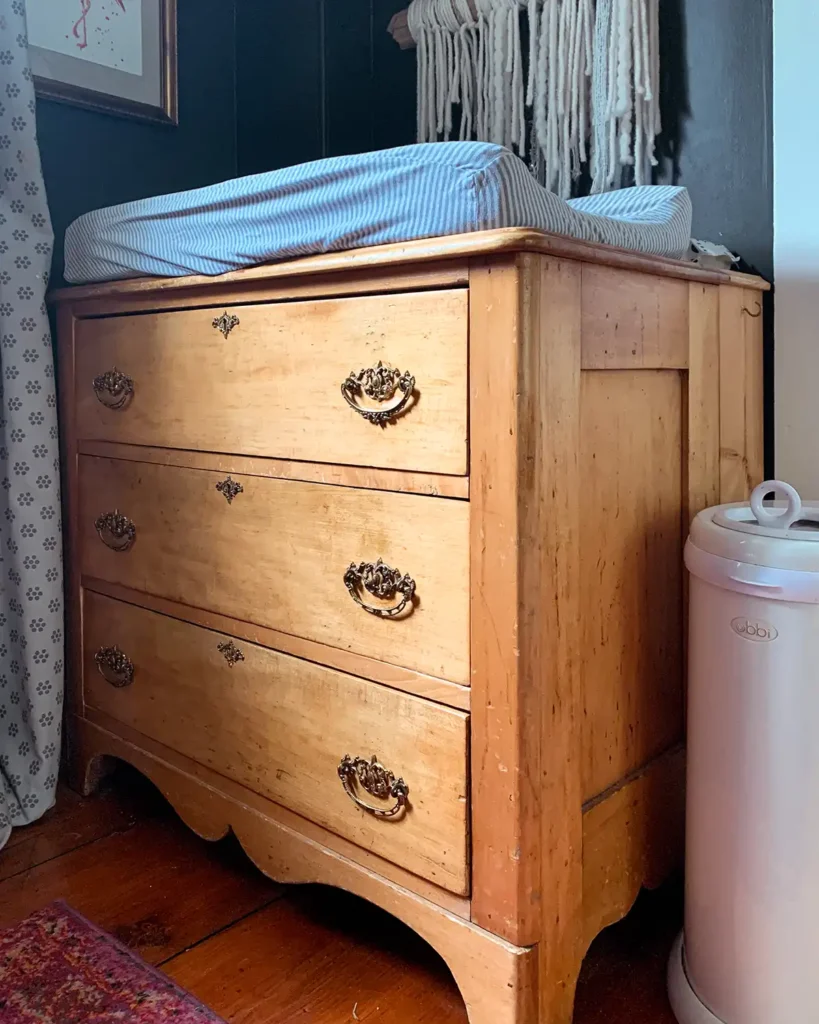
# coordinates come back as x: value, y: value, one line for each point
x: 796, y: 241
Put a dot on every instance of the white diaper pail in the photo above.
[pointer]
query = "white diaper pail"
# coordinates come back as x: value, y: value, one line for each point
x: 750, y: 950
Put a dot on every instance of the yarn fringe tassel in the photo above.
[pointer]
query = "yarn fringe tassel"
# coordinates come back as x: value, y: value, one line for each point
x: 565, y: 83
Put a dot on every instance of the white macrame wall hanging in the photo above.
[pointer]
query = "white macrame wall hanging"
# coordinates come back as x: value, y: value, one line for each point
x: 583, y: 90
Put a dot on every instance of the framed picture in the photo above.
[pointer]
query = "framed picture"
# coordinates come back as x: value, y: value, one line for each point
x: 113, y: 55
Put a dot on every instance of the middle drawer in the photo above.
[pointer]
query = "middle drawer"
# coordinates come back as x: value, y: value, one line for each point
x: 277, y: 554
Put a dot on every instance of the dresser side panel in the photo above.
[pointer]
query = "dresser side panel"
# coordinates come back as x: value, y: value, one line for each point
x: 741, y: 380
x: 524, y: 413
x: 631, y: 571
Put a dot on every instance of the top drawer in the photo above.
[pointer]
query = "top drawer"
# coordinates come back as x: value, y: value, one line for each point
x: 267, y: 380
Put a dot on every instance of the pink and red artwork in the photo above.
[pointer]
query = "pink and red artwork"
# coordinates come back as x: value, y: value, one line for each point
x: 104, y: 32
x: 80, y: 27
x: 113, y: 55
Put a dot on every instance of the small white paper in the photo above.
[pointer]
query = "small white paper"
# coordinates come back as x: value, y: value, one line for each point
x: 713, y: 249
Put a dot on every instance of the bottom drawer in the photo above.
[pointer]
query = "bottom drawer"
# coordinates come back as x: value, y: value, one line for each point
x: 282, y: 726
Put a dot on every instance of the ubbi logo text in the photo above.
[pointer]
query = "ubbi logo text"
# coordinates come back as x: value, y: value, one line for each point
x: 761, y: 632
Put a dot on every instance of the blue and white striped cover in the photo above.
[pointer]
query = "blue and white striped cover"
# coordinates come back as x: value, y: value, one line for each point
x: 352, y: 201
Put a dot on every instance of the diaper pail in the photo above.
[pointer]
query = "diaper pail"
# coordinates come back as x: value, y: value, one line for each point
x: 750, y: 950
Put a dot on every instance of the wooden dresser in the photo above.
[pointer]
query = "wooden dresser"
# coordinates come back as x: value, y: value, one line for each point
x: 375, y: 559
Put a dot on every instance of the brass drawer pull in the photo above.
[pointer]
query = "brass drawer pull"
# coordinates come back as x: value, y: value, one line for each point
x: 225, y: 323
x: 230, y: 651
x: 116, y: 530
x: 381, y: 581
x: 230, y: 488
x: 114, y: 667
x: 113, y: 389
x: 380, y: 383
x: 376, y: 780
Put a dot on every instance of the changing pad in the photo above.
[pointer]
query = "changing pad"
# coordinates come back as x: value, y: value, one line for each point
x: 351, y: 201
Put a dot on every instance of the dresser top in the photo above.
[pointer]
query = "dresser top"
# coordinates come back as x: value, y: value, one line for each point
x: 420, y: 251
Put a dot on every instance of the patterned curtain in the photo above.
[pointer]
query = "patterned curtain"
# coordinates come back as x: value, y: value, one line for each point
x: 31, y: 596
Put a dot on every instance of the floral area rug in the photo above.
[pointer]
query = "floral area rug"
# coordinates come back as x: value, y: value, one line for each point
x: 58, y: 968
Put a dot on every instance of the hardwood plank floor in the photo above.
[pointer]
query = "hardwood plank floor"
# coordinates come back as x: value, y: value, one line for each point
x: 155, y: 885
x: 340, y: 954
x: 70, y: 825
x: 258, y: 953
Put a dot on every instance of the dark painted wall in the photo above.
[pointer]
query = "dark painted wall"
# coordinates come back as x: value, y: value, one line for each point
x: 319, y: 78
x: 717, y: 85
x: 92, y: 159
x: 290, y: 82
x: 279, y: 83
x: 322, y: 77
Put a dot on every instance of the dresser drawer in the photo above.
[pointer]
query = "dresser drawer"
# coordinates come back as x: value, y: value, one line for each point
x: 273, y: 385
x: 282, y: 726
x: 277, y: 555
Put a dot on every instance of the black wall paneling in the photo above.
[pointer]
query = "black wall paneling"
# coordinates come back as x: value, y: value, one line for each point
x: 92, y: 159
x: 320, y: 78
x: 394, y: 76
x: 350, y: 88
x: 291, y: 82
x: 348, y: 77
x: 280, y: 89
x: 717, y: 60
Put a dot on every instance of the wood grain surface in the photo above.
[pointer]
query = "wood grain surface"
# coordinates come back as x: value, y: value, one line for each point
x: 277, y: 554
x: 272, y: 387
x: 289, y: 725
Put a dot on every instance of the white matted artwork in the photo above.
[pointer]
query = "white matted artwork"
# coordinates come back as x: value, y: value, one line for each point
x: 113, y: 55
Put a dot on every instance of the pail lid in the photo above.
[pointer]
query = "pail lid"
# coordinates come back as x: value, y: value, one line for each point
x: 782, y: 534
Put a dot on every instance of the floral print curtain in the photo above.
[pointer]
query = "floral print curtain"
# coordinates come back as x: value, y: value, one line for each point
x: 31, y: 595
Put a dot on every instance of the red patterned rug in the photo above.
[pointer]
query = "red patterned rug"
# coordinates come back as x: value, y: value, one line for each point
x: 58, y: 968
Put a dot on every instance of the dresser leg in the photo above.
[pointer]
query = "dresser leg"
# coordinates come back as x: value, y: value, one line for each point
x: 85, y: 768
x: 497, y: 991
x: 497, y: 981
x: 557, y: 999
x: 85, y: 776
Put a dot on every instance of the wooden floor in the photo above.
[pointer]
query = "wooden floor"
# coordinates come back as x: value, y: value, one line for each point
x: 259, y: 953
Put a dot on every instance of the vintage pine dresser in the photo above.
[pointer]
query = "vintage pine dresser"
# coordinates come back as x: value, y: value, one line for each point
x: 424, y: 504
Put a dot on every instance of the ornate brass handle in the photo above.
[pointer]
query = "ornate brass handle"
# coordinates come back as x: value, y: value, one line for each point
x: 113, y: 389
x: 381, y: 383
x: 377, y: 780
x: 382, y: 581
x: 116, y: 530
x: 114, y: 667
